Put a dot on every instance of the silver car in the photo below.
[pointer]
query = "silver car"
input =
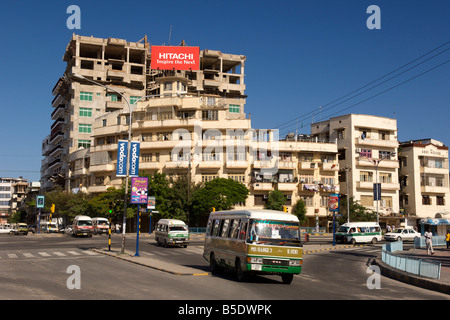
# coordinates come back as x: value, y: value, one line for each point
x: 402, y: 234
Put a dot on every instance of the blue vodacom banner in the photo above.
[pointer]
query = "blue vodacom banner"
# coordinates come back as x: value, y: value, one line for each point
x: 121, y: 170
x: 134, y: 160
x: 122, y: 154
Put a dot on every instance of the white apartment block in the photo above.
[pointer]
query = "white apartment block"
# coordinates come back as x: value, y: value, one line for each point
x: 424, y: 179
x: 368, y: 148
x: 12, y: 192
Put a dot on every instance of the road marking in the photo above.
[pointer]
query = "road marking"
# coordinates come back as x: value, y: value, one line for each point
x: 28, y: 255
x: 44, y: 254
x: 12, y: 255
x: 91, y: 253
x: 74, y: 253
x: 59, y: 254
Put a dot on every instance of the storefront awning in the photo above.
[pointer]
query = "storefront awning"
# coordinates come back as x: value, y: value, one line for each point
x: 435, y: 222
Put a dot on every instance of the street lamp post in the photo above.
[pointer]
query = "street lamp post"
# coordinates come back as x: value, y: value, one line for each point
x: 376, y: 162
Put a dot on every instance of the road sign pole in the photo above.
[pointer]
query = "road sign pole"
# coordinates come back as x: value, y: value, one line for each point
x: 137, y: 231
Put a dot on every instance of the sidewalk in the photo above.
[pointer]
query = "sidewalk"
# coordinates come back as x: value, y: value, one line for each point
x: 441, y: 254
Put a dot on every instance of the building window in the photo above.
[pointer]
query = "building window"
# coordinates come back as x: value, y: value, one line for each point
x: 366, y: 176
x: 208, y: 177
x: 147, y: 136
x: 146, y: 157
x: 365, y: 153
x: 210, y: 115
x: 426, y: 200
x: 84, y: 128
x: 234, y: 108
x: 385, y: 177
x: 113, y: 97
x: 239, y: 177
x: 367, y: 201
x: 85, y: 112
x: 384, y: 155
x: 84, y: 143
x: 133, y: 100
x: 86, y: 96
x: 308, y: 200
x: 340, y: 134
x: 440, y: 201
x: 104, y: 122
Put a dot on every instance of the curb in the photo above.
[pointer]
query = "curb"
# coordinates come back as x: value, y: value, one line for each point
x: 129, y: 258
x: 409, y: 278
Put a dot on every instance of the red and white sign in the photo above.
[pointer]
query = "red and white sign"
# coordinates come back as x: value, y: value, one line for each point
x: 175, y: 58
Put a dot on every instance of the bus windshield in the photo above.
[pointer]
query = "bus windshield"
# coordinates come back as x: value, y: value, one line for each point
x: 269, y: 232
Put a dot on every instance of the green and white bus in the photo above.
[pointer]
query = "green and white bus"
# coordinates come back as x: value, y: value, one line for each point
x: 359, y: 232
x: 254, y: 242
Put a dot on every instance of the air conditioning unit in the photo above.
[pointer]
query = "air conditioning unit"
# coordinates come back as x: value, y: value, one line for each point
x: 288, y: 197
x: 357, y: 150
x: 266, y: 196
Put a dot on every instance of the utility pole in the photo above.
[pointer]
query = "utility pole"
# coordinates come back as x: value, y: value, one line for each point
x: 347, y: 169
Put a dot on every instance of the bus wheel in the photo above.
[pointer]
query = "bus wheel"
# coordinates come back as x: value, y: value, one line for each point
x: 240, y: 274
x: 353, y: 241
x: 287, y: 278
x: 374, y: 240
x: 213, y: 264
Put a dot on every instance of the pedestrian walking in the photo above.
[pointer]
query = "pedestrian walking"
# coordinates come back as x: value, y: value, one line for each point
x: 447, y: 238
x: 428, y: 240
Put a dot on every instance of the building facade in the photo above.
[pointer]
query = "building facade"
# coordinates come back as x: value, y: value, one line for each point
x: 368, y: 154
x: 424, y: 180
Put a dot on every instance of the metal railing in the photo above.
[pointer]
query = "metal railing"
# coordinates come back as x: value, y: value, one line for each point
x: 418, y: 266
x: 435, y: 241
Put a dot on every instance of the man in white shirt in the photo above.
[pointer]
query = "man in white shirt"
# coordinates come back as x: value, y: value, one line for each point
x: 428, y: 240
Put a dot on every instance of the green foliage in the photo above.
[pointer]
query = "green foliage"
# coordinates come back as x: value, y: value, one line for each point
x: 219, y: 193
x: 300, y: 211
x: 357, y: 212
x: 275, y: 201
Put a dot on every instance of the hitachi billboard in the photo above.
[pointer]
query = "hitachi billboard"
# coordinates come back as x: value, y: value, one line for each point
x: 175, y: 58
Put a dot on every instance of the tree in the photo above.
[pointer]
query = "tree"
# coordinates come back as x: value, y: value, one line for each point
x: 300, y: 211
x: 275, y: 201
x: 219, y: 193
x: 357, y: 212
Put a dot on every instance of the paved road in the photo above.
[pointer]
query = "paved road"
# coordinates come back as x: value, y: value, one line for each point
x: 36, y: 267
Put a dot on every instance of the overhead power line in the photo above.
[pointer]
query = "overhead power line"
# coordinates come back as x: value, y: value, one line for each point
x: 290, y: 123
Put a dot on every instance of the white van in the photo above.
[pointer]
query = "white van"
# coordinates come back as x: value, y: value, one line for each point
x: 82, y: 226
x: 172, y: 232
x: 101, y: 225
x: 359, y: 232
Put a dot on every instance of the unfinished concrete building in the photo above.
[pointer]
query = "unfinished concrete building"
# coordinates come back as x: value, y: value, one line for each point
x: 125, y: 67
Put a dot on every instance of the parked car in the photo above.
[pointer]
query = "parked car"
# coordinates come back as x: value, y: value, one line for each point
x: 32, y: 228
x: 402, y: 234
x: 6, y: 230
x: 20, y: 228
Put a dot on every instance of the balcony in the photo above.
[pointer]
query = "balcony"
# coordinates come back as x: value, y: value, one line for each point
x: 330, y: 166
x: 118, y: 74
x: 102, y: 167
x: 149, y: 165
x: 376, y: 142
x: 262, y: 186
x: 385, y: 163
x: 287, y: 186
x: 384, y: 186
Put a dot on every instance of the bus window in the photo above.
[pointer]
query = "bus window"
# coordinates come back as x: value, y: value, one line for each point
x: 234, y: 229
x: 274, y: 233
x: 242, y: 230
x: 224, y: 231
x: 215, y: 229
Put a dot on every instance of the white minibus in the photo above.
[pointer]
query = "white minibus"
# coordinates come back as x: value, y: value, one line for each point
x: 359, y: 232
x: 172, y: 232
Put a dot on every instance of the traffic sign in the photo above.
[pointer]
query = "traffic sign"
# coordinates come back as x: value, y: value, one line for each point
x: 40, y: 201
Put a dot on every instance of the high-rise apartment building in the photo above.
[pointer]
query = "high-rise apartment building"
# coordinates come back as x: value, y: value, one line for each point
x: 368, y: 150
x: 121, y: 65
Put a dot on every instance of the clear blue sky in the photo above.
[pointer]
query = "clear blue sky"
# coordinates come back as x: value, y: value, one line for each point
x: 300, y: 55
